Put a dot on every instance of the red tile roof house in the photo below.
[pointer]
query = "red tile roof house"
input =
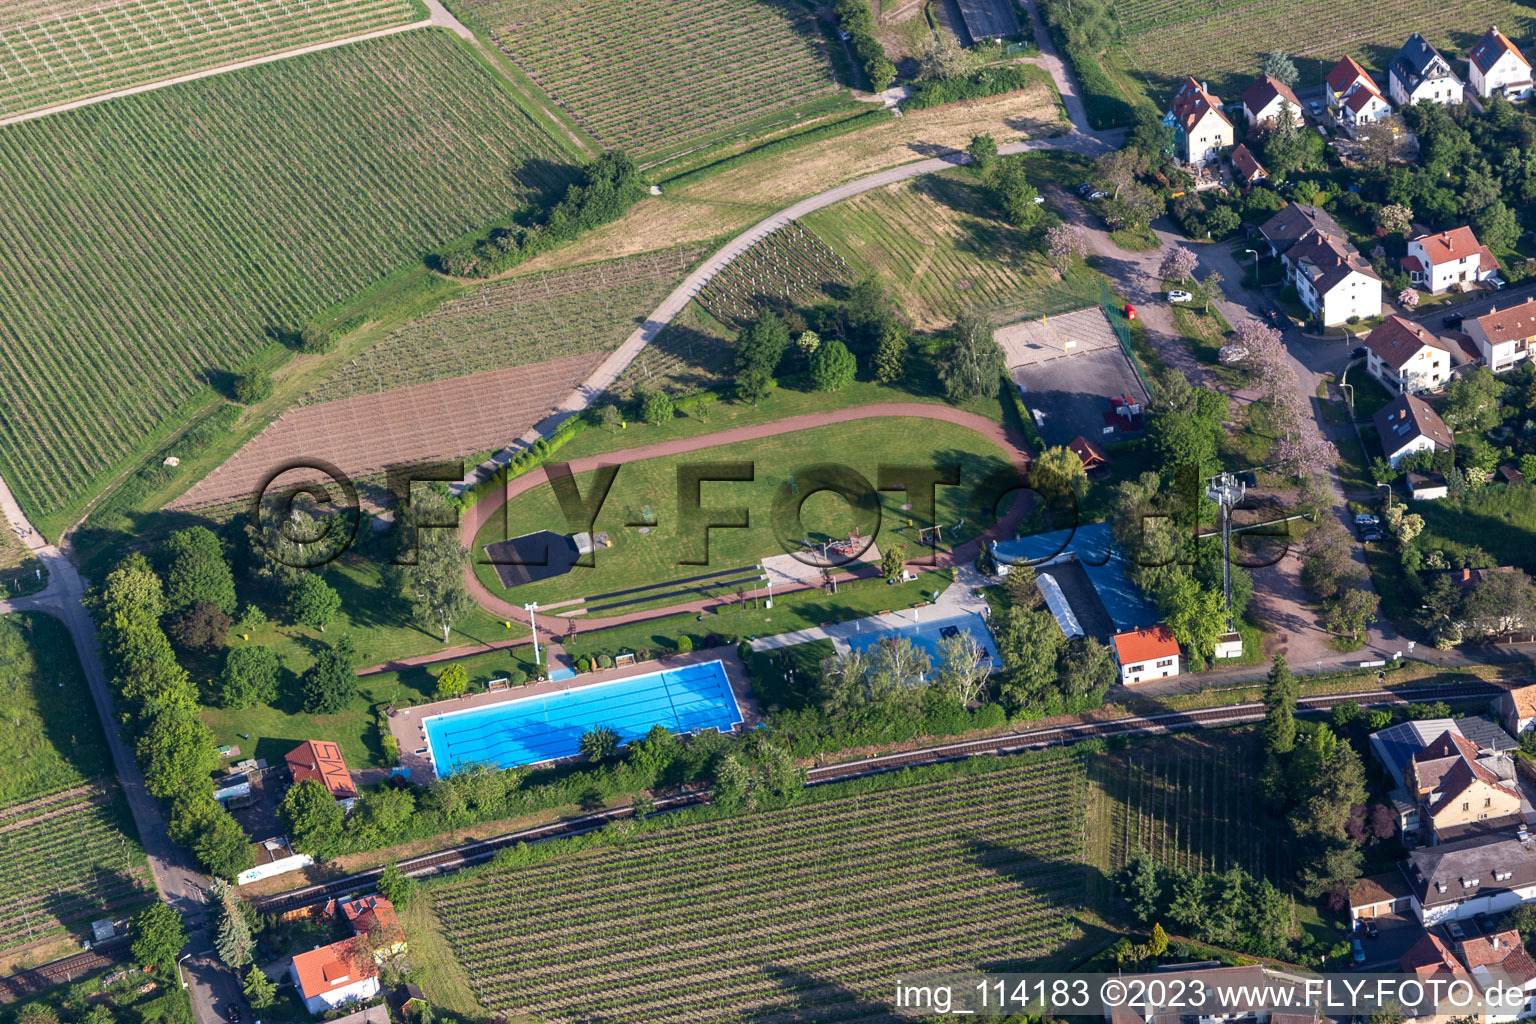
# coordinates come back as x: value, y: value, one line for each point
x: 1266, y: 98
x: 1354, y: 97
x: 374, y: 916
x: 1516, y: 709
x: 322, y: 761
x: 1245, y: 167
x: 1201, y: 131
x: 1505, y: 336
x: 1437, y: 261
x: 331, y: 976
x: 1496, y: 65
x: 1405, y: 356
x: 1146, y: 654
x: 1332, y: 279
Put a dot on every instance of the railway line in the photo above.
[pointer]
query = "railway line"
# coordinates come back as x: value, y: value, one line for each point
x: 33, y: 980
x: 446, y: 861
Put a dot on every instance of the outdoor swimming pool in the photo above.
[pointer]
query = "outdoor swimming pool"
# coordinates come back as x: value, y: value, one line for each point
x: 926, y: 635
x: 550, y: 726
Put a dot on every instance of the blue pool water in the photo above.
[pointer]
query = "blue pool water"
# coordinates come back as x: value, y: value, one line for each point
x: 543, y: 728
x: 926, y: 635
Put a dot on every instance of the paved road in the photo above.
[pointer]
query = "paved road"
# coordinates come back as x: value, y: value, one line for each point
x: 438, y: 17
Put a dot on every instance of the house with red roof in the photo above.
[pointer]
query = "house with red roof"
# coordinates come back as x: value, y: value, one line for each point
x: 1146, y: 654
x: 1462, y: 789
x: 1246, y: 167
x: 1405, y: 356
x: 1516, y: 709
x: 1504, y: 337
x: 334, y: 975
x: 1441, y: 259
x: 374, y: 916
x: 321, y: 760
x: 1354, y: 96
x: 1266, y: 98
x: 1201, y: 131
x: 1495, y: 64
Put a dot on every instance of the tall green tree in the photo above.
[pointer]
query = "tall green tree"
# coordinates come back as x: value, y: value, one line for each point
x: 973, y: 364
x: 232, y: 940
x: 313, y: 602
x: 312, y: 819
x: 1280, y: 696
x: 249, y: 676
x: 891, y: 355
x: 260, y: 990
x: 198, y: 571
x: 330, y: 683
x: 832, y: 366
x: 432, y: 581
x: 158, y: 936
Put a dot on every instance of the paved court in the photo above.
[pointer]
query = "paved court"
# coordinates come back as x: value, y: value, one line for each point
x: 1055, y: 337
x: 1075, y: 396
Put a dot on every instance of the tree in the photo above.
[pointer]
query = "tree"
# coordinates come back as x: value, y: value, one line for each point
x: 198, y: 572
x: 982, y: 151
x: 1178, y: 264
x: 1279, y: 66
x: 1497, y: 227
x: 1065, y: 245
x: 253, y: 387
x: 962, y: 672
x: 1029, y: 641
x: 1222, y: 221
x: 158, y: 936
x: 330, y: 683
x: 232, y: 940
x: 941, y: 58
x: 260, y: 991
x: 452, y: 682
x: 808, y: 343
x: 891, y: 355
x: 1206, y: 291
x: 761, y: 343
x: 893, y: 560
x: 396, y: 886
x: 1196, y: 616
x: 1351, y: 612
x: 1500, y: 602
x: 656, y: 407
x: 312, y: 819
x: 431, y: 577
x: 1394, y: 218
x: 314, y: 339
x: 1280, y: 695
x: 1472, y: 401
x: 1009, y: 181
x: 1120, y: 169
x: 36, y: 1013
x: 1135, y: 206
x: 1284, y: 146
x: 1149, y: 134
x: 313, y: 601
x: 684, y: 644
x: 220, y: 844
x: 1382, y: 142
x: 753, y: 384
x: 1141, y: 889
x: 1056, y: 472
x: 973, y: 364
x: 832, y: 366
x: 249, y: 677
x: 1408, y: 298
x: 1085, y: 668
x: 611, y: 417
x: 599, y: 742
x: 202, y: 626
x: 176, y: 751
x: 1158, y: 944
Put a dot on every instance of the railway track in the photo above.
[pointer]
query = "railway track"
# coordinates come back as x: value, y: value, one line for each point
x: 33, y: 980
x: 446, y: 861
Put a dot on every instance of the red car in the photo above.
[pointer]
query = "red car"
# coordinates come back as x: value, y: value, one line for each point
x: 1130, y: 311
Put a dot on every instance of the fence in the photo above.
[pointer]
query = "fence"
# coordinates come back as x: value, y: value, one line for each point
x: 1117, y: 320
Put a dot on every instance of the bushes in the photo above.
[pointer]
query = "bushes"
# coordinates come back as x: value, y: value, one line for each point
x: 859, y: 23
x: 977, y: 85
x: 254, y: 387
x: 314, y: 339
x: 610, y: 185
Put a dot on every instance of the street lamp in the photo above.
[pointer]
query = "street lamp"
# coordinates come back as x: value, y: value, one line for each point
x: 533, y: 624
x: 1389, y: 493
x: 1255, y: 265
x: 178, y: 969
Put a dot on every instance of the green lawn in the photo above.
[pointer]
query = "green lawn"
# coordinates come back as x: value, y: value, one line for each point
x: 1498, y: 518
x: 665, y: 551
x: 1370, y: 396
x: 54, y: 738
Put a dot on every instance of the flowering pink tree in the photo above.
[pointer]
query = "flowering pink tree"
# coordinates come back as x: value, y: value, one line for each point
x: 1301, y: 449
x: 1267, y: 359
x: 1178, y: 264
x: 1408, y: 298
x: 1064, y: 244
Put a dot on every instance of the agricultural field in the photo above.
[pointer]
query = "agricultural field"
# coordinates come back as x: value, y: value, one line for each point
x: 791, y: 267
x: 63, y: 827
x: 1223, y: 42
x: 57, y: 50
x: 516, y: 321
x: 939, y: 246
x: 653, y: 76
x: 1190, y: 802
x: 693, y: 351
x: 799, y: 911
x: 167, y: 238
x: 16, y: 562
x: 640, y: 559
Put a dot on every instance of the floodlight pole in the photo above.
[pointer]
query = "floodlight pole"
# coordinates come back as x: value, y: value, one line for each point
x: 533, y: 624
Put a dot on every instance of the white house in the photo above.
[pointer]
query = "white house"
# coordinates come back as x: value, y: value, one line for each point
x: 1504, y: 337
x: 1354, y: 97
x: 1145, y: 654
x: 1497, y: 65
x: 1345, y: 78
x: 1418, y: 72
x: 1441, y: 259
x: 331, y: 976
x: 1332, y: 279
x: 1516, y: 709
x: 1404, y: 356
x: 1201, y: 131
x: 1427, y: 487
x: 1292, y: 223
x: 1406, y: 425
x: 1264, y: 100
x: 1485, y: 874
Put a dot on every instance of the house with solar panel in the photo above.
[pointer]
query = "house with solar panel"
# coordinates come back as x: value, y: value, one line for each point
x: 1496, y: 65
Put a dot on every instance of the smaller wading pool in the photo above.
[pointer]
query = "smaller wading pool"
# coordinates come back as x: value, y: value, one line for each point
x: 545, y: 728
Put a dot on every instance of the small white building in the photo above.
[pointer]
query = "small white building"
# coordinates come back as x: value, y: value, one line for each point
x: 332, y: 976
x: 1406, y: 425
x: 1404, y: 356
x: 1427, y: 487
x: 1504, y: 336
x: 1265, y: 99
x: 1333, y: 280
x: 1439, y: 260
x: 1146, y: 654
x: 1496, y: 65
x: 1419, y: 73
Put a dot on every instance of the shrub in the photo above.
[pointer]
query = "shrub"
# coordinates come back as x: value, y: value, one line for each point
x: 314, y: 338
x: 254, y: 387
x: 656, y: 408
x: 583, y: 665
x: 604, y: 661
x: 684, y: 644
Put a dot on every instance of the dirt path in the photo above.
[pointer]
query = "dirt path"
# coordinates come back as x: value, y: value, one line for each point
x: 439, y: 17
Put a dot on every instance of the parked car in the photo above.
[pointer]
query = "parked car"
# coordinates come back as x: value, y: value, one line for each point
x: 1315, y: 107
x: 1358, y: 950
x: 1249, y: 479
x: 1039, y: 199
x: 1454, y: 320
x: 1367, y: 519
x: 1179, y: 295
x: 1358, y: 352
x: 1455, y: 931
x: 1371, y: 535
x: 1371, y: 931
x: 1483, y: 922
x: 1277, y: 317
x: 233, y: 1015
x: 1085, y: 188
x: 1496, y: 282
x: 1096, y: 195
x: 844, y: 34
x: 1130, y: 311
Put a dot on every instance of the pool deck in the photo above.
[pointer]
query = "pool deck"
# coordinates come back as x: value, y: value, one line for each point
x: 405, y: 723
